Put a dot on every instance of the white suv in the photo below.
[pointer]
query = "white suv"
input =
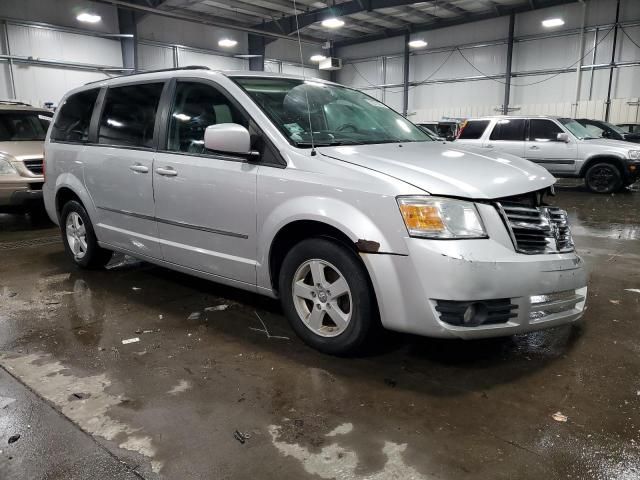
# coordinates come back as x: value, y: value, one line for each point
x: 561, y: 145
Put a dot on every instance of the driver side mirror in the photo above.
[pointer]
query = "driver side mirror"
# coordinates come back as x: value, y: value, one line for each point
x: 229, y: 138
x: 563, y: 137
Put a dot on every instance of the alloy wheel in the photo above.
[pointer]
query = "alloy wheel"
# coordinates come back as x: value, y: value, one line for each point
x: 322, y: 298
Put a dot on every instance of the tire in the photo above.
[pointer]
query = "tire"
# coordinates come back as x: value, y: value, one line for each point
x: 82, y: 249
x: 603, y: 177
x: 356, y: 309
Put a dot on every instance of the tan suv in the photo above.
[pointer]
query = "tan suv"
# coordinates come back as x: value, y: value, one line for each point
x: 22, y: 132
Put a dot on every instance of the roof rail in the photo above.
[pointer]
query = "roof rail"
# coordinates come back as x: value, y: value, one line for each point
x: 14, y: 102
x: 188, y: 67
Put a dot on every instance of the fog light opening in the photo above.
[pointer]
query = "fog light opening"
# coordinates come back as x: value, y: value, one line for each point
x: 475, y: 314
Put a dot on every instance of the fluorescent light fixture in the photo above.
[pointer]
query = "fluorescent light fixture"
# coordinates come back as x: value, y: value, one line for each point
x: 227, y: 42
x: 317, y: 58
x: 88, y: 17
x: 247, y: 55
x: 552, y: 22
x: 332, y: 23
x: 417, y: 44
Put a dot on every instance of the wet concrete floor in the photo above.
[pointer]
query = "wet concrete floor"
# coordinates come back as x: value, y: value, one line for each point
x: 167, y: 405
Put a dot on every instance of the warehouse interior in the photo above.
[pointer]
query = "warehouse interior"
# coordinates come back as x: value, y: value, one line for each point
x: 143, y: 370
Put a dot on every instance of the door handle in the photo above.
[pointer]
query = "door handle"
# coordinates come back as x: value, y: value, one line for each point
x: 166, y: 172
x: 488, y: 146
x: 139, y: 168
x: 534, y: 147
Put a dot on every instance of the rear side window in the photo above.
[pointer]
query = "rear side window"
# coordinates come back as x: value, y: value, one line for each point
x: 129, y: 115
x: 508, y: 130
x: 74, y: 118
x: 473, y: 129
x: 543, y: 130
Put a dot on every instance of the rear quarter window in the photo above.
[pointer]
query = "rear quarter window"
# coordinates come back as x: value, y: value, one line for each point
x: 473, y: 129
x: 73, y: 120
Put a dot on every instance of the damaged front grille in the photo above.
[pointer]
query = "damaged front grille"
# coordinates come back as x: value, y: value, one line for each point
x: 536, y: 228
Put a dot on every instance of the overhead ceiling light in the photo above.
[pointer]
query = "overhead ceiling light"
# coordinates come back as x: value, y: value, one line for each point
x: 88, y: 18
x: 332, y: 23
x: 227, y: 42
x: 417, y: 44
x: 317, y: 58
x: 552, y: 22
x: 247, y: 55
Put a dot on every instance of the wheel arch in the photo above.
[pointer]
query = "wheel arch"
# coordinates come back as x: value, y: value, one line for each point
x: 605, y: 158
x: 69, y: 187
x: 293, y: 233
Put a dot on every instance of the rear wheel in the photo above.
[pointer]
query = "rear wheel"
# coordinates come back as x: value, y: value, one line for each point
x: 603, y: 178
x: 79, y: 238
x: 326, y: 296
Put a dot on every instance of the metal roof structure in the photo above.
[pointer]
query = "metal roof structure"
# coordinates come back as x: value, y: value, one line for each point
x: 365, y: 20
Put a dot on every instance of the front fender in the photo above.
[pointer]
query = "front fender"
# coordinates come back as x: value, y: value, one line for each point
x: 355, y: 223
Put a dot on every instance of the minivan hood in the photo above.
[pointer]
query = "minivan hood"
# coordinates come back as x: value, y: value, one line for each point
x: 23, y: 150
x: 444, y: 169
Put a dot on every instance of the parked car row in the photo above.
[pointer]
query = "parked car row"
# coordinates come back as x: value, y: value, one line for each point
x: 564, y: 146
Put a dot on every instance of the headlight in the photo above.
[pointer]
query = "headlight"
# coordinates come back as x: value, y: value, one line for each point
x: 6, y: 168
x: 634, y: 154
x: 433, y: 217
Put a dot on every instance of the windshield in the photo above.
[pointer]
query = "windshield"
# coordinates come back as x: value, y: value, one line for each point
x: 576, y: 128
x: 615, y: 128
x: 23, y: 126
x: 339, y: 115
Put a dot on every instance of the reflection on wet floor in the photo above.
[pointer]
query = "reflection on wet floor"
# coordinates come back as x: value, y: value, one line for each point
x: 169, y: 403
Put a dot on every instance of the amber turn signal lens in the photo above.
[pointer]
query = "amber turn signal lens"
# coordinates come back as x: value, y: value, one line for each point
x: 422, y: 217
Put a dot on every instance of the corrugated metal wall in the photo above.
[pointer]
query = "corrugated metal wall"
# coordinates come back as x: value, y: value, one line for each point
x: 450, y: 85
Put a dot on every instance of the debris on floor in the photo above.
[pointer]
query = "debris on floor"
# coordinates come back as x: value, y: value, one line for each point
x: 634, y: 290
x: 136, y: 289
x: 241, y: 437
x: 615, y: 302
x: 266, y: 331
x: 130, y: 340
x: 194, y: 316
x: 14, y: 438
x: 217, y: 308
x: 559, y: 417
x: 182, y: 386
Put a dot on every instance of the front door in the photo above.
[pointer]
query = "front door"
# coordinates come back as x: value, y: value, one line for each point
x: 544, y: 148
x: 205, y: 201
x: 118, y: 171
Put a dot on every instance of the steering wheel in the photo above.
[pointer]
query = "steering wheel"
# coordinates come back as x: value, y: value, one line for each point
x: 347, y: 127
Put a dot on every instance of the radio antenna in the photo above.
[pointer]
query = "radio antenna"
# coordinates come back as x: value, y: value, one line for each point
x: 306, y: 95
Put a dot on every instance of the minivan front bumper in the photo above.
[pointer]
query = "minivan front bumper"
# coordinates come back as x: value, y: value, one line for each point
x: 409, y: 288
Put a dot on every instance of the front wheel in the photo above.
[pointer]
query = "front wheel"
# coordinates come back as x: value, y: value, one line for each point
x: 327, y: 297
x: 79, y: 238
x: 603, y: 178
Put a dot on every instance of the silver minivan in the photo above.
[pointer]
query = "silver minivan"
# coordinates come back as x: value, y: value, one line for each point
x: 314, y: 193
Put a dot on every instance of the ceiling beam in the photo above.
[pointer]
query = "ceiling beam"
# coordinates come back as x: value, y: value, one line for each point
x: 201, y: 19
x: 340, y: 10
x: 459, y: 20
